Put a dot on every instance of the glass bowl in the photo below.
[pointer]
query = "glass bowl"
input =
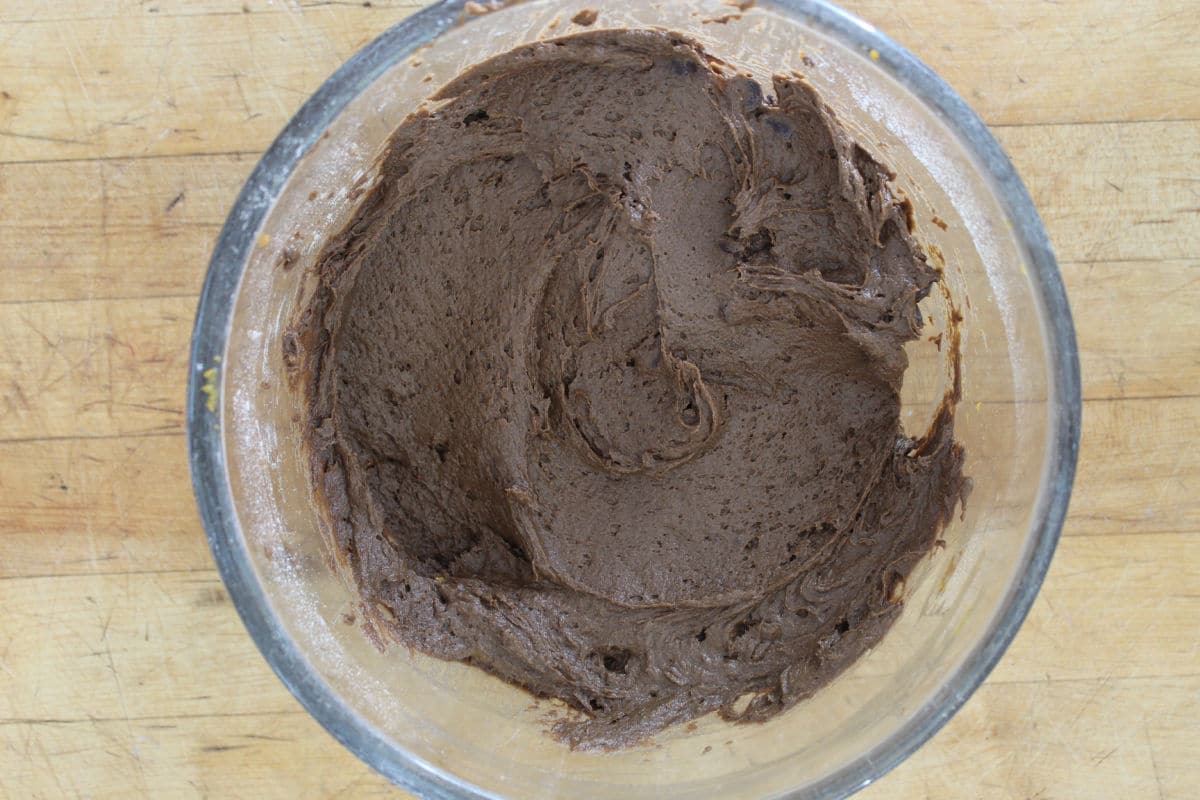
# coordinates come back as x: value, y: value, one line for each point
x: 446, y: 730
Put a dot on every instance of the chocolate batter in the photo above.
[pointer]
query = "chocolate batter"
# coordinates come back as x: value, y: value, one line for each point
x: 604, y: 386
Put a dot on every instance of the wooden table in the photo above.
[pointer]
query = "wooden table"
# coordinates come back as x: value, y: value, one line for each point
x: 126, y: 129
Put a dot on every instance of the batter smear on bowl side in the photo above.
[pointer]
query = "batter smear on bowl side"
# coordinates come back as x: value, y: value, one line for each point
x: 603, y: 386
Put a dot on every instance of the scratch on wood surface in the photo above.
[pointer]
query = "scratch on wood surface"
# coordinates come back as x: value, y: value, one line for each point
x: 1104, y: 683
x: 102, y: 171
x: 1104, y: 757
x: 41, y: 138
x: 150, y: 407
x: 342, y: 791
x: 169, y: 101
x: 1153, y: 758
x: 262, y: 73
x: 106, y: 651
x: 68, y: 46
x: 19, y: 393
x: 296, y: 16
x: 236, y: 77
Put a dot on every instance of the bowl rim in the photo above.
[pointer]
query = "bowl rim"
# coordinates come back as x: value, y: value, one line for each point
x: 206, y: 454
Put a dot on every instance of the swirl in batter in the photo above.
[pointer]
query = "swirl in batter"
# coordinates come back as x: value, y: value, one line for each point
x: 603, y: 385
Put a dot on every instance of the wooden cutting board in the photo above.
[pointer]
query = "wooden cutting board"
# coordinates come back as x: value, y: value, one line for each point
x: 126, y: 129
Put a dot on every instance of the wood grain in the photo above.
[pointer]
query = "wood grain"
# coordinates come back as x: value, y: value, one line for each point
x: 82, y: 647
x: 1052, y: 63
x: 78, y: 10
x: 1134, y: 349
x: 1124, y: 192
x: 1151, y: 578
x: 1106, y: 738
x: 250, y: 756
x: 77, y: 507
x: 145, y: 226
x: 1085, y: 736
x: 138, y: 228
x: 81, y: 507
x: 88, y: 647
x: 94, y: 368
x: 126, y: 129
x: 1136, y: 472
x: 154, y: 85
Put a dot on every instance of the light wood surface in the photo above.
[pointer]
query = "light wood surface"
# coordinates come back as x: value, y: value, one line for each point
x: 126, y: 129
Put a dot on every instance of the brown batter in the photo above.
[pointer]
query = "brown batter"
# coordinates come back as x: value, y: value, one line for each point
x: 605, y: 379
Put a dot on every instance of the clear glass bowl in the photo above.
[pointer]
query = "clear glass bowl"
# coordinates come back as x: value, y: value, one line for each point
x: 447, y: 730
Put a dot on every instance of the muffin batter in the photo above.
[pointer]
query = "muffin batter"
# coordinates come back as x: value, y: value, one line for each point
x: 603, y: 384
